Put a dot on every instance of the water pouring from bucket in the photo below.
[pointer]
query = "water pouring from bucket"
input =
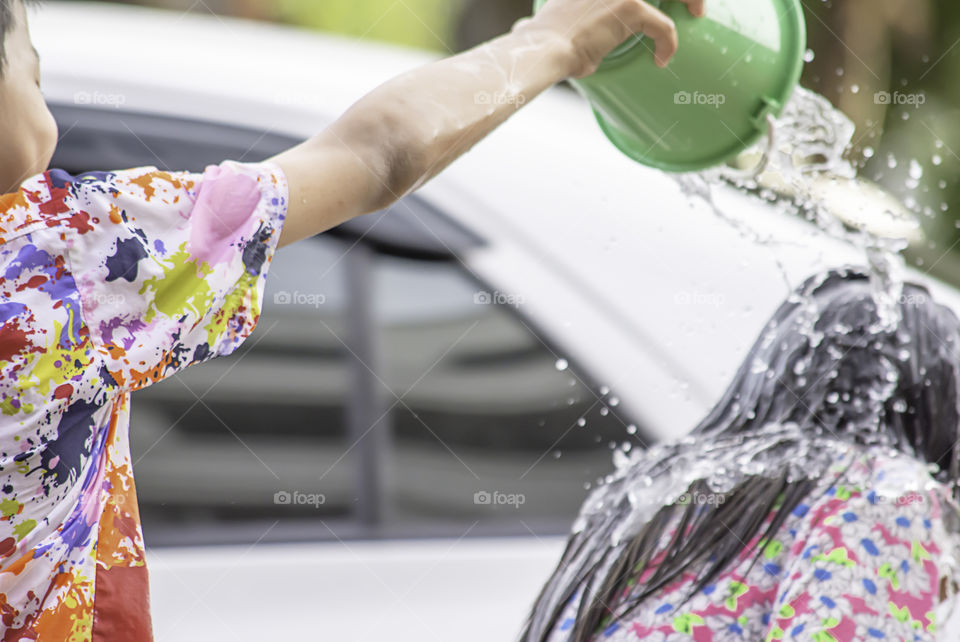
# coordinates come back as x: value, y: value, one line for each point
x: 728, y: 108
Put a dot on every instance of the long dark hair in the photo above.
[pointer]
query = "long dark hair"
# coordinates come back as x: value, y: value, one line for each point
x: 829, y: 364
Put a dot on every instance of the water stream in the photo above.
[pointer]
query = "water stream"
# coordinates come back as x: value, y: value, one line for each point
x: 802, y: 167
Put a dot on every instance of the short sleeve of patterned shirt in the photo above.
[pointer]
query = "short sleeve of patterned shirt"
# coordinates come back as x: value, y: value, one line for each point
x: 109, y: 281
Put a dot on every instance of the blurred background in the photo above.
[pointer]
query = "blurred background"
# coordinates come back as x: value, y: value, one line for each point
x: 859, y: 48
x: 452, y: 382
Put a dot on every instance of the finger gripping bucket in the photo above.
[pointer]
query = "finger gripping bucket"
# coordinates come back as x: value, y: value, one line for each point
x: 735, y: 66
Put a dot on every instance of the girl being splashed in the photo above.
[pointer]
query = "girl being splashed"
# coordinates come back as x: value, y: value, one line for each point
x: 815, y: 502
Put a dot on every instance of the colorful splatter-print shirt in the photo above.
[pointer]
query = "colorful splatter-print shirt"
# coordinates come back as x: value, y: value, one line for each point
x: 109, y: 281
x: 859, y: 560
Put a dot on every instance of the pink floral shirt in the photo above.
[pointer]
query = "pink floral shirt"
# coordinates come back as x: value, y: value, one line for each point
x: 862, y: 560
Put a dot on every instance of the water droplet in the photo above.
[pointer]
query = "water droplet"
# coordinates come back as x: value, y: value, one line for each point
x: 916, y: 170
x: 614, y: 401
x: 855, y: 89
x: 561, y: 364
x: 868, y: 152
x: 620, y: 460
x: 581, y: 422
x: 631, y: 429
x: 808, y: 55
x: 937, y: 160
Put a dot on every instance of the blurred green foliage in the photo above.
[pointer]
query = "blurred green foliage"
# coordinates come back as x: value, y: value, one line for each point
x: 418, y: 23
x: 911, y: 48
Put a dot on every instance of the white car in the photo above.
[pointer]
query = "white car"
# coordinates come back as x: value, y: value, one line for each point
x: 543, y: 300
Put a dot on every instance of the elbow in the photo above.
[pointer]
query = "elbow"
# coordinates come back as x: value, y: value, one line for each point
x: 401, y: 171
x: 395, y: 151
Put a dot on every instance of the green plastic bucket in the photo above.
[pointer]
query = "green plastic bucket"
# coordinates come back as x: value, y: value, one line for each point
x: 735, y: 66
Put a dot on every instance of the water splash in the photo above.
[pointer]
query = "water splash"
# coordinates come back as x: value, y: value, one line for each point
x: 802, y: 168
x: 664, y: 473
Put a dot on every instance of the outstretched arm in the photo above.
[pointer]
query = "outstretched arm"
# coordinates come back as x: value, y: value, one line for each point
x: 406, y: 131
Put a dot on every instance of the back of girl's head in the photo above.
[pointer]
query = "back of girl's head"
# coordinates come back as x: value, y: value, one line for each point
x: 833, y: 365
x: 835, y: 362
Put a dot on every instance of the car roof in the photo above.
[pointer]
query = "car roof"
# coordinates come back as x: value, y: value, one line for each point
x: 627, y: 274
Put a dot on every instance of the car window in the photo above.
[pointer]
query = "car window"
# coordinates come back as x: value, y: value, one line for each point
x: 492, y: 431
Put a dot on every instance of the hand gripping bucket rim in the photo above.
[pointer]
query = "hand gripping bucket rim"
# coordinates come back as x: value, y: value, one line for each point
x: 769, y: 98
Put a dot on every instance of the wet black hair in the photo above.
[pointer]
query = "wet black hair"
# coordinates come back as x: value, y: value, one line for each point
x: 822, y: 357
